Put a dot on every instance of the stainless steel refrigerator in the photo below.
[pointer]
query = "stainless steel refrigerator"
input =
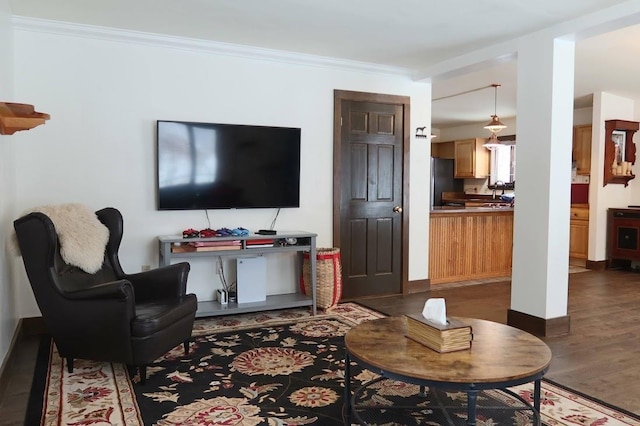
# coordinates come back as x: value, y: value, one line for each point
x: 442, y: 180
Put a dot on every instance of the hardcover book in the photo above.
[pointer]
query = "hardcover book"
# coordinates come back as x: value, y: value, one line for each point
x: 454, y: 336
x: 218, y: 248
x: 260, y: 241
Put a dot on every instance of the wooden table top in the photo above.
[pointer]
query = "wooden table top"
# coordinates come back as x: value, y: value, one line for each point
x: 499, y: 353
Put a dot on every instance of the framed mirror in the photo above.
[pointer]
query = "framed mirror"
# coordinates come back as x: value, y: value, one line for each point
x: 619, y: 151
x: 619, y: 139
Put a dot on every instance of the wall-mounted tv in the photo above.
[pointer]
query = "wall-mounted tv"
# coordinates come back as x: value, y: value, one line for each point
x: 226, y: 166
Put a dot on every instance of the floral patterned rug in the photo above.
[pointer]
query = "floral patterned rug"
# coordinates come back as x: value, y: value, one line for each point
x: 274, y: 368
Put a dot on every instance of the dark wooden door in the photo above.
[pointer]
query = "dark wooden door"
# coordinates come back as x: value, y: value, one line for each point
x: 371, y: 162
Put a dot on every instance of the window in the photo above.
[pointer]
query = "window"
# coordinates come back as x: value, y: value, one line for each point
x: 503, y: 164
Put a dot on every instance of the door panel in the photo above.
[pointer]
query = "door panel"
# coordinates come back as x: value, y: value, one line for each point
x: 371, y: 186
x: 384, y: 255
x: 359, y: 172
x: 356, y: 253
x: 385, y: 174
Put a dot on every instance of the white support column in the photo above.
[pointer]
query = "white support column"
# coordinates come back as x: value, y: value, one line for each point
x: 543, y: 184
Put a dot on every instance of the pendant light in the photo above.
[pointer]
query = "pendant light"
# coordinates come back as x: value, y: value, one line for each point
x: 495, y: 125
x: 493, y: 142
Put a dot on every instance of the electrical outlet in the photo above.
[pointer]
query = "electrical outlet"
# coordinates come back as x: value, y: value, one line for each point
x: 145, y: 268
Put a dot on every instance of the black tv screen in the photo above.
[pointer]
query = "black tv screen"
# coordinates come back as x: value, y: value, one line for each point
x: 222, y: 166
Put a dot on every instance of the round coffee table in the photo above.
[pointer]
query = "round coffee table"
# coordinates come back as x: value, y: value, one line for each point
x: 501, y: 356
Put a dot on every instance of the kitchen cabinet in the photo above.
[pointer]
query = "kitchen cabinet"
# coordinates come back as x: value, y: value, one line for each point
x: 443, y: 150
x: 471, y: 158
x: 579, y: 232
x: 582, y: 149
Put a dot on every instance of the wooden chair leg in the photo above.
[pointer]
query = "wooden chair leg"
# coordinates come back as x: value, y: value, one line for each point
x: 70, y: 364
x: 186, y: 347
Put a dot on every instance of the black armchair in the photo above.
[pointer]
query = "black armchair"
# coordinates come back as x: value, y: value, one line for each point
x: 109, y: 315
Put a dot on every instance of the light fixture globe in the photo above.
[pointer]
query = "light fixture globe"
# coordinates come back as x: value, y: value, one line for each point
x: 495, y: 125
x: 493, y: 142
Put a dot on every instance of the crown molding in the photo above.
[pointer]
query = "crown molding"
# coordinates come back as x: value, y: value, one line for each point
x: 198, y: 45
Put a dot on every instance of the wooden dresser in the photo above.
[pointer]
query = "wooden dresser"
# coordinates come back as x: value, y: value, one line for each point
x: 623, y: 236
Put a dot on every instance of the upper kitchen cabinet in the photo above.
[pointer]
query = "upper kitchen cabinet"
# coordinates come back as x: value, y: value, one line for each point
x: 443, y: 150
x: 471, y: 158
x: 619, y: 151
x: 582, y: 149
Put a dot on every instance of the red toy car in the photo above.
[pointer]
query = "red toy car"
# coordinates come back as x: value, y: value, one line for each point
x: 190, y: 233
x: 208, y: 232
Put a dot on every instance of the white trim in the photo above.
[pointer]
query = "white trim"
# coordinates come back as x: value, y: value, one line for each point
x: 198, y: 45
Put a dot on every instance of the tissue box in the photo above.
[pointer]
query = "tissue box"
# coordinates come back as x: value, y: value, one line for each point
x: 454, y: 336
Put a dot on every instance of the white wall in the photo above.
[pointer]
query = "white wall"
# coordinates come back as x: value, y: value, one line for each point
x: 582, y: 116
x: 420, y: 184
x: 476, y: 130
x: 8, y: 312
x: 104, y: 95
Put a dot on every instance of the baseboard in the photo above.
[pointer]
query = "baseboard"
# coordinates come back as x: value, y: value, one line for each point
x: 540, y: 327
x: 26, y: 327
x: 577, y: 262
x: 4, y: 377
x: 417, y: 286
x: 596, y: 265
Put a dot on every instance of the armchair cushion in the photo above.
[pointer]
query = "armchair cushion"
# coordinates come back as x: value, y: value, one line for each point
x: 164, y: 282
x: 159, y: 314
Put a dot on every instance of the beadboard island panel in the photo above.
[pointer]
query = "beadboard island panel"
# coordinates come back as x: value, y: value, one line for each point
x: 470, y: 243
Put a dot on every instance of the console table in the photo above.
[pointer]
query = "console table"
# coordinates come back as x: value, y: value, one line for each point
x: 305, y: 242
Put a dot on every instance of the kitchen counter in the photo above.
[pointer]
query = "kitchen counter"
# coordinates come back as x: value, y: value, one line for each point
x: 472, y: 200
x: 460, y: 209
x: 470, y: 243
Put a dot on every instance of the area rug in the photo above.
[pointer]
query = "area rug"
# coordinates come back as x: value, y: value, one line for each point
x: 274, y: 368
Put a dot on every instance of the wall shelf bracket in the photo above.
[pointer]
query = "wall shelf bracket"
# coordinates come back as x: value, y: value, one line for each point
x: 15, y: 117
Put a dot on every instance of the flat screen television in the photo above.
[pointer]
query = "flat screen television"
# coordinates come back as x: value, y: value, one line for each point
x: 226, y: 166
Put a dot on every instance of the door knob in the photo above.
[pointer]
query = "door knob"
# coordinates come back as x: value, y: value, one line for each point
x: 397, y: 209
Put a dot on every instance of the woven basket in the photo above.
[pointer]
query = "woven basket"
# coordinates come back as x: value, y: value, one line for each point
x: 328, y: 277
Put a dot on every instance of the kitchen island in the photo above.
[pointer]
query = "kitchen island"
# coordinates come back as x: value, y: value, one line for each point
x: 467, y: 243
x: 460, y: 199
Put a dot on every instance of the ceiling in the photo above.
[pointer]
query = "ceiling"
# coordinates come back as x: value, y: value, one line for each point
x: 412, y: 35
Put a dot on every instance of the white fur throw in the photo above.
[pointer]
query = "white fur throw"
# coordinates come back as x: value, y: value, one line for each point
x: 82, y: 236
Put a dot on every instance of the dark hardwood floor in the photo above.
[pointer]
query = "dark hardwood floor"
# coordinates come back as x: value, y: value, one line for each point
x: 600, y: 357
x: 19, y: 374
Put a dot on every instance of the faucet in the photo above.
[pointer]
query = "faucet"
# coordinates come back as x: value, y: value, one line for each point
x: 496, y: 185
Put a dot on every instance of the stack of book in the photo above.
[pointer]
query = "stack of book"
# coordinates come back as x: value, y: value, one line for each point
x: 182, y: 248
x: 260, y: 242
x: 216, y: 245
x: 454, y: 336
